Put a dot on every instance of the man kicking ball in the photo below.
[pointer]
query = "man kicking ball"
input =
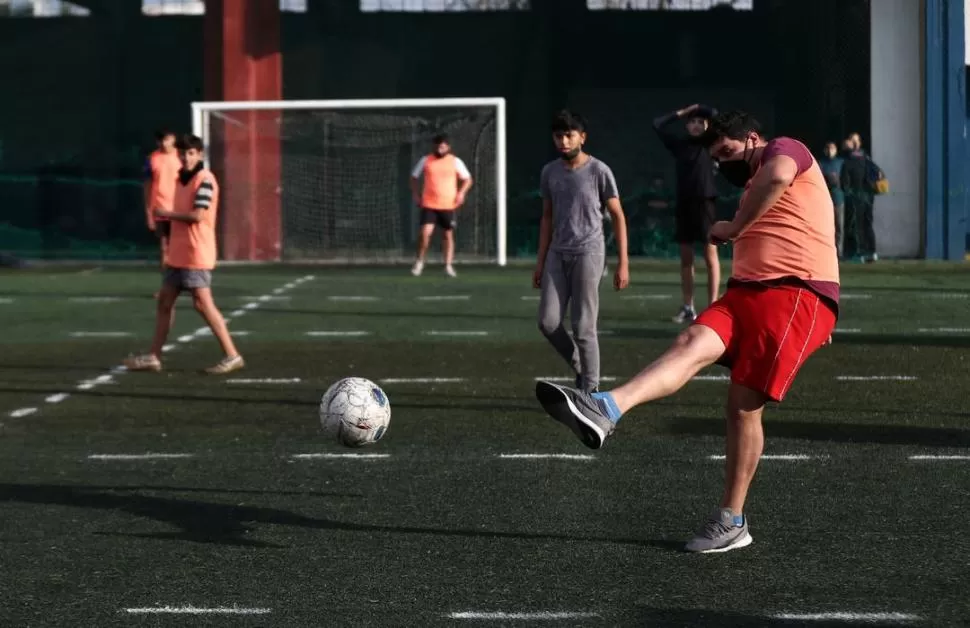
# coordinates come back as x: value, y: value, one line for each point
x: 780, y: 306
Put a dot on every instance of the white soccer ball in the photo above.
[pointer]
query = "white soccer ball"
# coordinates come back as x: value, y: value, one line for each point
x: 355, y: 412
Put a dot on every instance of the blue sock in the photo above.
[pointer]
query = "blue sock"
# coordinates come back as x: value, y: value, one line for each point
x: 739, y: 520
x: 609, y: 404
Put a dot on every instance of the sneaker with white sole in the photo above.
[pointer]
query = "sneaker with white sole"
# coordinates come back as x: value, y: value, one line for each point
x: 417, y: 268
x: 227, y: 365
x: 686, y: 314
x: 578, y: 410
x: 146, y: 362
x: 720, y: 534
x: 450, y: 271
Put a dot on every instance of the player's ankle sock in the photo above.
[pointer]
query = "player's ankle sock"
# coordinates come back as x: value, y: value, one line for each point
x: 608, y: 403
x: 738, y: 519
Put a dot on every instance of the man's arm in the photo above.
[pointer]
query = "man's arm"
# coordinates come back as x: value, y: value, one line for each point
x: 545, y: 239
x: 146, y: 174
x: 672, y: 140
x: 619, y: 230
x: 415, y: 181
x: 767, y: 187
x: 203, y: 200
x: 465, y: 181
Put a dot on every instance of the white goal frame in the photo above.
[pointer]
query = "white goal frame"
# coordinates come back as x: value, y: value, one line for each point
x: 200, y: 128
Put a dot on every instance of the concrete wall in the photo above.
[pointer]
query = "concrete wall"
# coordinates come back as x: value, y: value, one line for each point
x: 897, y: 122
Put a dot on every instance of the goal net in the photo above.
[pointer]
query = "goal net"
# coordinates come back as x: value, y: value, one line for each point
x: 330, y: 180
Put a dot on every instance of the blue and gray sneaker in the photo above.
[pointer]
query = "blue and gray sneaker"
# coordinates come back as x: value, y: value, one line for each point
x: 722, y: 532
x: 585, y: 415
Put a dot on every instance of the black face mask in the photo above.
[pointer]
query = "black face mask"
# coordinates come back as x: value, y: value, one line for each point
x: 569, y: 156
x: 739, y: 172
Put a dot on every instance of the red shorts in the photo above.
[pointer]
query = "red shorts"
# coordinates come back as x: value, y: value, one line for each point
x: 769, y: 332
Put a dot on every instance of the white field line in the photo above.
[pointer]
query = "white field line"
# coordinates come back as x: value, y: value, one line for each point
x: 445, y: 297
x: 5, y: 300
x: 337, y: 334
x: 558, y: 378
x: 876, y: 378
x: 352, y: 456
x: 546, y: 457
x: 354, y: 299
x: 276, y: 296
x: 195, y: 610
x: 946, y: 295
x: 422, y: 380
x: 537, y: 616
x: 647, y: 297
x: 854, y: 295
x: 292, y: 380
x: 711, y: 378
x: 944, y: 330
x: 939, y: 457
x: 784, y: 457
x: 148, y: 456
x: 205, y: 331
x: 455, y: 332
x: 108, y: 377
x: 94, y: 299
x: 529, y: 298
x: 848, y: 330
x: 100, y: 334
x: 847, y: 616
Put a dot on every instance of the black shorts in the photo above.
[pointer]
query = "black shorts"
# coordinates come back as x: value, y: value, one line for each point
x: 695, y: 217
x: 163, y: 229
x: 444, y: 219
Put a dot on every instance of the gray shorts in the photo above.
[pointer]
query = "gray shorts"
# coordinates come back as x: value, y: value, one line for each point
x: 187, y: 278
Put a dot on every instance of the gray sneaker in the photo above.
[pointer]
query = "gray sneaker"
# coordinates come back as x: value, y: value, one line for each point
x: 719, y: 534
x: 578, y: 411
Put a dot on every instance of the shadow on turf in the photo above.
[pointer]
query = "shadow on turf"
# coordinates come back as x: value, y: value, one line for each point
x: 829, y: 432
x: 226, y: 524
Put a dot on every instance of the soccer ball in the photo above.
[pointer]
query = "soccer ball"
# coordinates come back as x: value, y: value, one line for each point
x: 355, y: 412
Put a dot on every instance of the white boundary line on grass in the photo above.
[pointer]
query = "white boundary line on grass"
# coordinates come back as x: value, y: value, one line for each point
x: 848, y: 616
x: 340, y: 456
x: 929, y: 457
x: 536, y: 616
x: 108, y: 377
x: 785, y: 457
x: 195, y: 610
x: 546, y: 457
x: 148, y: 456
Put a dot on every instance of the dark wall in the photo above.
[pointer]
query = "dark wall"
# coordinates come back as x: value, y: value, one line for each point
x: 83, y: 94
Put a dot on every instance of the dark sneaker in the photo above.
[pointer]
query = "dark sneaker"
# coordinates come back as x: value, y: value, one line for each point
x: 720, y: 534
x: 687, y: 314
x: 578, y: 411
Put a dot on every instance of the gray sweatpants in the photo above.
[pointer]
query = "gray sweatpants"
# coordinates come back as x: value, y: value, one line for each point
x: 573, y: 279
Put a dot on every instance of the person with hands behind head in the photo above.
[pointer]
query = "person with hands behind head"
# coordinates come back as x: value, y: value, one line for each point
x: 576, y: 189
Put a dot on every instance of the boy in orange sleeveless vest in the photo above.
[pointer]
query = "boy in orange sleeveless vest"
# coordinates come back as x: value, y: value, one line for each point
x: 780, y: 306
x: 189, y: 260
x: 446, y: 182
x: 161, y: 173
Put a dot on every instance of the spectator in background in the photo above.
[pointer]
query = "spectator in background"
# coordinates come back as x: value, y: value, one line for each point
x: 696, y: 209
x: 831, y: 165
x: 858, y: 176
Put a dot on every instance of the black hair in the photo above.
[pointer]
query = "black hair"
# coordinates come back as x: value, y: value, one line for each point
x: 566, y: 121
x: 162, y: 133
x: 735, y: 125
x: 189, y: 141
x: 440, y: 138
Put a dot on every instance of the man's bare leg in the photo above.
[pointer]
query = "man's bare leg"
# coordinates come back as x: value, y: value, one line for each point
x: 206, y: 307
x: 424, y: 240
x: 696, y: 347
x: 713, y: 273
x: 745, y: 442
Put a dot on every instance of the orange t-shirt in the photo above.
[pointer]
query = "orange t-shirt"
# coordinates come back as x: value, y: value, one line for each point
x: 192, y: 245
x: 794, y: 241
x: 164, y: 171
x: 441, y: 176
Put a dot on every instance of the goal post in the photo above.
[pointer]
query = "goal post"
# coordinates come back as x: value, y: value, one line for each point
x: 328, y: 180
